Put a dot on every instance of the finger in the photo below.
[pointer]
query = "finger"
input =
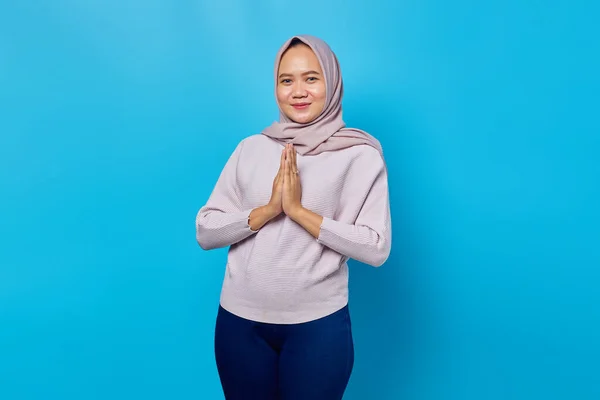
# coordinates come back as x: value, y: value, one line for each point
x: 281, y: 166
x: 288, y: 168
x: 293, y: 170
x: 285, y: 177
x: 293, y: 163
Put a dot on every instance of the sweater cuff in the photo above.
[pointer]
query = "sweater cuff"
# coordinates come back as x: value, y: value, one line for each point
x: 326, y: 235
x: 244, y: 220
x: 236, y: 226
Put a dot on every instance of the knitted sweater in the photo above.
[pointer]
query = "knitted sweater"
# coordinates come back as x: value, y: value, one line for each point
x: 281, y: 273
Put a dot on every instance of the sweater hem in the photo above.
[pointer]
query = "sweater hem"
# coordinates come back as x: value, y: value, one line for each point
x: 296, y: 316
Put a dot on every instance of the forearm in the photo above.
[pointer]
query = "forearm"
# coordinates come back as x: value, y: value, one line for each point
x: 309, y: 220
x: 216, y: 229
x: 359, y: 242
x: 260, y: 216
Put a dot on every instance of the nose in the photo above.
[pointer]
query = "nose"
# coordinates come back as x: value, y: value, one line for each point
x: 299, y: 90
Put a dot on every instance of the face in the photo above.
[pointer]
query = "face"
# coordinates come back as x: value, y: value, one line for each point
x: 300, y: 85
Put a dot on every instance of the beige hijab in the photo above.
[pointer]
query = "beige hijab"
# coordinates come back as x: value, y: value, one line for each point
x: 327, y: 132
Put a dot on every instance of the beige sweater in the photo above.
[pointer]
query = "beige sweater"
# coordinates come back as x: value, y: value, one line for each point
x: 282, y: 274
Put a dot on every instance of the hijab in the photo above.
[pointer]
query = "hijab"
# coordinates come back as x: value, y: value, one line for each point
x: 327, y: 132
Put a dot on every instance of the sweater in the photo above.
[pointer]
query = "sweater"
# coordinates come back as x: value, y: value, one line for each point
x: 281, y: 273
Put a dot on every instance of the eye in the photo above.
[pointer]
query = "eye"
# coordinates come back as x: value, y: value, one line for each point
x: 312, y: 79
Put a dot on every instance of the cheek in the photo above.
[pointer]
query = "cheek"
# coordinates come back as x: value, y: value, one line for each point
x: 282, y: 94
x: 319, y: 93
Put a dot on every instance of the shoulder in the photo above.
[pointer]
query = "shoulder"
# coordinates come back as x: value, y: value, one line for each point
x: 365, y: 157
x: 256, y: 142
x: 257, y: 139
x: 249, y: 147
x: 360, y: 163
x: 252, y: 142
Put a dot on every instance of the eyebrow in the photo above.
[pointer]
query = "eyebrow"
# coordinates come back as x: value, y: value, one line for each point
x: 304, y: 73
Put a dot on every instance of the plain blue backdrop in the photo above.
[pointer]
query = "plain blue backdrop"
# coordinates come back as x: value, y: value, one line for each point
x: 117, y: 116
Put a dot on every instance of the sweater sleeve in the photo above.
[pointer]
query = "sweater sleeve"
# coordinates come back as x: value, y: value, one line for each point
x: 369, y: 239
x: 222, y: 221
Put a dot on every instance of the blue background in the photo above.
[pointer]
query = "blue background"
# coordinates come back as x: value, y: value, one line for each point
x: 117, y: 116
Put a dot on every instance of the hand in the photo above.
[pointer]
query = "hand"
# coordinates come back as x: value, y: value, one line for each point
x: 292, y: 190
x: 275, y: 203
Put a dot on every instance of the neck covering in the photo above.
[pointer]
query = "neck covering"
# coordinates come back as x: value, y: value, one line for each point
x: 327, y: 132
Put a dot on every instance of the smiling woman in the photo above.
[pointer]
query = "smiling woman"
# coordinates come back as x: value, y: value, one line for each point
x: 294, y: 204
x: 301, y: 88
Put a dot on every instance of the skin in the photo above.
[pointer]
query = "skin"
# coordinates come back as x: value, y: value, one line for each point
x: 300, y: 80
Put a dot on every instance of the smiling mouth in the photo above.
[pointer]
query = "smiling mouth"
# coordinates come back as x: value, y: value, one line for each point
x: 301, y: 106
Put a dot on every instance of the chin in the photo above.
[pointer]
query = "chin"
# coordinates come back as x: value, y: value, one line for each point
x: 300, y: 118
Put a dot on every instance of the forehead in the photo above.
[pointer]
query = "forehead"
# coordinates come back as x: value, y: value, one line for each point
x: 300, y: 57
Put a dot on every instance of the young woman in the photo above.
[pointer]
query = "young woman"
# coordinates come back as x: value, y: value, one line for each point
x: 294, y: 203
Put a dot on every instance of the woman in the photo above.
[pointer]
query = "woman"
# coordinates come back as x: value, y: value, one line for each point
x: 294, y: 203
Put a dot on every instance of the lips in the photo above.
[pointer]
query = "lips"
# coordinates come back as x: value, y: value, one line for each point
x: 300, y: 106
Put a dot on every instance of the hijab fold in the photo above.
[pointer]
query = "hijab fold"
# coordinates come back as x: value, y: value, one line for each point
x: 328, y: 132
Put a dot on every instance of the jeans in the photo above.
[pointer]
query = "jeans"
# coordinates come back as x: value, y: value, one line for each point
x: 306, y: 361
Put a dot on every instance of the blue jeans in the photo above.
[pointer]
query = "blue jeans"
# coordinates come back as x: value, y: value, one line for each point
x: 311, y: 360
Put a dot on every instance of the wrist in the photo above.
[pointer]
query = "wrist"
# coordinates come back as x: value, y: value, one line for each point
x: 295, y: 213
x: 271, y: 211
